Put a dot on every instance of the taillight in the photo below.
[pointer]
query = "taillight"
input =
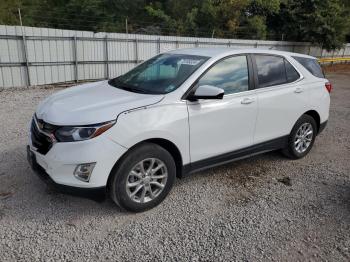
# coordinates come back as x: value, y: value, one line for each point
x: 328, y: 86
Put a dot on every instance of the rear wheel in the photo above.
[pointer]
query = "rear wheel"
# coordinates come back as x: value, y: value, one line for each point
x: 143, y: 178
x: 302, y: 137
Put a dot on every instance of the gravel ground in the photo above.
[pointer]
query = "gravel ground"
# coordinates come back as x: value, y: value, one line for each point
x: 262, y: 208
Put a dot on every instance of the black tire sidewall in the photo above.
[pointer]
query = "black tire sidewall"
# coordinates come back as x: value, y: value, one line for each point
x: 119, y: 176
x: 302, y: 120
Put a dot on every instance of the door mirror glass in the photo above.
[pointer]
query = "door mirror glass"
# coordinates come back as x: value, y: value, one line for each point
x: 207, y: 92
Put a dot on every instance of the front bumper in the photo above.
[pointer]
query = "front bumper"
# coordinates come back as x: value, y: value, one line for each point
x: 60, y: 162
x: 98, y: 193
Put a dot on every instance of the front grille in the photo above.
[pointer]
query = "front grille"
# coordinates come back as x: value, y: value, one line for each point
x: 41, y: 141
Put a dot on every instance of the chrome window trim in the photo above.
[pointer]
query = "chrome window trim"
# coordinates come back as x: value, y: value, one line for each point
x: 301, y: 76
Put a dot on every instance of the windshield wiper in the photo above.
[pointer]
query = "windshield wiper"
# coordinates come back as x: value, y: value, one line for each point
x: 132, y: 89
x: 118, y: 84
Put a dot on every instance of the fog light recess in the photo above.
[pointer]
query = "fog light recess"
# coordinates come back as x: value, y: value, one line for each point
x: 83, y: 171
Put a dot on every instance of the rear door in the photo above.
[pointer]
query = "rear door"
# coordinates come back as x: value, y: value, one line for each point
x: 281, y: 96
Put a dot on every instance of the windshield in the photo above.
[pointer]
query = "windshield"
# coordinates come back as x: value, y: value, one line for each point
x: 159, y: 75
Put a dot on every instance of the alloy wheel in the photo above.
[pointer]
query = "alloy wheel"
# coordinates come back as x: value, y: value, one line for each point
x: 303, y: 137
x: 146, y: 180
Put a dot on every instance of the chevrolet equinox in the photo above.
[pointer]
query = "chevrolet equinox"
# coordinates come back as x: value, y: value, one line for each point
x: 177, y: 113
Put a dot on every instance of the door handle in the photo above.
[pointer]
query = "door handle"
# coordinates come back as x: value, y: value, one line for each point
x: 247, y: 101
x: 298, y: 90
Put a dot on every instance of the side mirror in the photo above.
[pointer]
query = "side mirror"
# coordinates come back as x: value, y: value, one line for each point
x: 207, y: 92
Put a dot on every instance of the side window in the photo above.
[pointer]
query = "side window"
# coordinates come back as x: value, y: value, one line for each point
x: 274, y: 70
x: 271, y: 70
x: 230, y: 74
x: 292, y: 74
x: 311, y: 65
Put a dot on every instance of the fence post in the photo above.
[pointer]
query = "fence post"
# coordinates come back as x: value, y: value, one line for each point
x: 136, y: 51
x: 256, y: 44
x: 344, y: 48
x: 332, y: 57
x: 75, y: 53
x: 158, y: 45
x: 25, y: 50
x: 106, y: 57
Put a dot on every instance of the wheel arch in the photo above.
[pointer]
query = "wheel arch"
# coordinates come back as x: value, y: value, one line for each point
x: 172, y: 149
x: 316, y: 116
x: 164, y: 143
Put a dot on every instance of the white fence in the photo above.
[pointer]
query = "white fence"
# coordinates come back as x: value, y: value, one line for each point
x: 40, y: 56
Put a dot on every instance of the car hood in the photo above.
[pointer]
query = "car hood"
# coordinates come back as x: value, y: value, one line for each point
x: 90, y: 104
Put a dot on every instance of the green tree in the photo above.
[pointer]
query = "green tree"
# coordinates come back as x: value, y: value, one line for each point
x: 323, y: 22
x: 9, y: 12
x: 346, y: 7
x: 256, y: 27
x: 253, y: 21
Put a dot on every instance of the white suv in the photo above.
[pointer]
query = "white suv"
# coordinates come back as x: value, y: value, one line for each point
x: 177, y: 113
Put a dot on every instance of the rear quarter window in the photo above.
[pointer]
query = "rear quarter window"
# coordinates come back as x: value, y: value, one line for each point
x: 311, y: 65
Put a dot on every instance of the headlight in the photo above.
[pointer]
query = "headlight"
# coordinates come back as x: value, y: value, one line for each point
x: 71, y: 134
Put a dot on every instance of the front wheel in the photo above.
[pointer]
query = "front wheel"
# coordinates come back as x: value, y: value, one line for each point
x: 302, y: 138
x: 143, y: 178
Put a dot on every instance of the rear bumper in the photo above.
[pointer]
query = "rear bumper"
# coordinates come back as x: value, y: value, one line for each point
x: 97, y: 193
x: 322, y: 126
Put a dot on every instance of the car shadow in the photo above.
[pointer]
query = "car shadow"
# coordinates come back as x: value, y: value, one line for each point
x: 23, y: 192
x: 254, y: 166
x: 24, y: 196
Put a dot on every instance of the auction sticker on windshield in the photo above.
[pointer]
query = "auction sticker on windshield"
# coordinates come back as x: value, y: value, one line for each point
x: 192, y: 62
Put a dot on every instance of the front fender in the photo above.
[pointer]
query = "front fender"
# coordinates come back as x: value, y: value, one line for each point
x: 169, y: 122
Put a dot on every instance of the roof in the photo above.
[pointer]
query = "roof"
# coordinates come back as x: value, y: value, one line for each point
x: 223, y: 51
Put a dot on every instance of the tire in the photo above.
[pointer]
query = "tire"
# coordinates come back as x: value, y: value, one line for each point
x: 152, y: 185
x: 293, y: 149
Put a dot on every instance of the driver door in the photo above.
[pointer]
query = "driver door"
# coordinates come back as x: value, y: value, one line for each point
x: 221, y: 126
